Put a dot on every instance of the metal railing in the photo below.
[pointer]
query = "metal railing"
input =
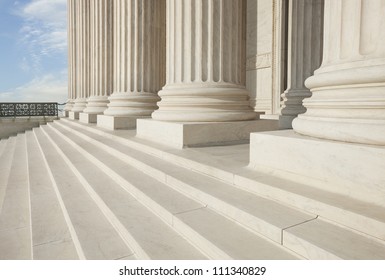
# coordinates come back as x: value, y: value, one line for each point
x: 9, y: 110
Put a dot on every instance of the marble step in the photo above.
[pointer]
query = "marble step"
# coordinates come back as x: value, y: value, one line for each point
x: 93, y: 235
x: 3, y: 143
x: 358, y: 215
x: 256, y: 213
x: 150, y: 237
x: 5, y: 167
x: 228, y: 239
x: 320, y: 239
x: 51, y: 237
x: 15, y: 227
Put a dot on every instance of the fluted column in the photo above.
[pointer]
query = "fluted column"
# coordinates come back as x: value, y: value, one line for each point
x: 138, y: 57
x: 304, y: 55
x: 71, y: 24
x: 100, y: 56
x: 205, y: 62
x: 348, y: 101
x: 82, y: 55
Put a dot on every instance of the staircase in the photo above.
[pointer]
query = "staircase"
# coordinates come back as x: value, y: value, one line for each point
x: 75, y: 191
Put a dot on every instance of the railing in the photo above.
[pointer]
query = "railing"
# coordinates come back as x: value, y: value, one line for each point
x: 8, y: 110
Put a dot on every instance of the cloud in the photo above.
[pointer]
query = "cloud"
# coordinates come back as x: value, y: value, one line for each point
x: 43, y: 42
x: 47, y: 88
x: 44, y: 31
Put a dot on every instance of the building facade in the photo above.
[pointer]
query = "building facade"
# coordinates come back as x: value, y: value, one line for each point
x: 207, y: 129
x: 303, y: 80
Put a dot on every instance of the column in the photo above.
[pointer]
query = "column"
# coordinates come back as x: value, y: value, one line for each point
x: 139, y: 54
x: 71, y: 24
x: 204, y: 101
x: 348, y: 101
x: 304, y: 55
x: 205, y: 63
x: 82, y: 58
x: 101, y: 58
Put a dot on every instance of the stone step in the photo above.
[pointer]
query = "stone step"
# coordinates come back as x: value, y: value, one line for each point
x: 319, y: 239
x: 3, y: 143
x: 15, y: 227
x: 358, y: 215
x: 230, y: 165
x: 150, y: 237
x: 256, y: 213
x: 226, y: 243
x: 92, y: 233
x: 51, y: 237
x: 5, y: 167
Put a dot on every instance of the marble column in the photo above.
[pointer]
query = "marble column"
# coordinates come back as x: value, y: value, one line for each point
x: 139, y: 55
x: 348, y: 101
x: 82, y: 58
x: 101, y: 58
x: 205, y: 63
x: 305, y: 31
x: 71, y: 24
x: 204, y: 101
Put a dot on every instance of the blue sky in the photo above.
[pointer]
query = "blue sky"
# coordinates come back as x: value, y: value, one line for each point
x: 33, y: 50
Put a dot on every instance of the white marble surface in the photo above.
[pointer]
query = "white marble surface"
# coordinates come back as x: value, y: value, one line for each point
x: 79, y: 105
x: 95, y: 236
x: 15, y: 244
x: 305, y: 31
x: 205, y: 63
x: 101, y: 55
x: 51, y: 238
x: 181, y: 135
x: 139, y: 57
x: 220, y: 238
x: 320, y: 239
x: 149, y: 236
x: 88, y: 117
x: 348, y: 89
x: 73, y: 115
x: 228, y: 163
x: 116, y: 122
x: 354, y: 170
x: 259, y: 53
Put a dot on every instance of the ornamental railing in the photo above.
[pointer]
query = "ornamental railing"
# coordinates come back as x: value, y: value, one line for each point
x: 9, y: 110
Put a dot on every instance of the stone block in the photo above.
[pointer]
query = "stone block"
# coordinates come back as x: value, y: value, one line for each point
x: 179, y: 135
x: 353, y: 170
x: 88, y: 118
x: 113, y: 122
x: 74, y: 115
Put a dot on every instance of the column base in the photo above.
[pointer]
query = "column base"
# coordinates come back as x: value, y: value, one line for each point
x: 114, y: 122
x: 285, y: 122
x: 88, y: 118
x: 179, y: 135
x: 353, y: 170
x: 74, y: 115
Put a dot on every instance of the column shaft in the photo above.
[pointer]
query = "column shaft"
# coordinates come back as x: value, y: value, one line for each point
x: 138, y: 57
x: 71, y: 24
x: 304, y: 54
x: 101, y: 58
x: 82, y: 55
x: 205, y: 62
x: 348, y: 102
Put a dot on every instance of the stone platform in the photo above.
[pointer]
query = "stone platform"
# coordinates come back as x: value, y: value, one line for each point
x: 179, y: 135
x: 84, y: 192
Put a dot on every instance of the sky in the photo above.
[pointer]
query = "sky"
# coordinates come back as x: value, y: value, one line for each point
x: 33, y: 51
